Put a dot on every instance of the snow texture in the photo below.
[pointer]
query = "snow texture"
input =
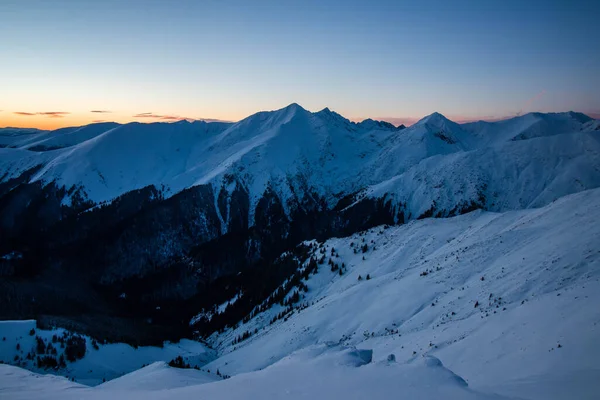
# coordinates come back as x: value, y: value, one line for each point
x: 484, y: 305
x: 526, y: 161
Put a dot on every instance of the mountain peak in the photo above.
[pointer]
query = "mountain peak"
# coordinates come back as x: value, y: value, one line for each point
x: 434, y: 118
x: 329, y: 115
x: 294, y: 107
x: 581, y: 117
x: 370, y: 123
x: 289, y: 111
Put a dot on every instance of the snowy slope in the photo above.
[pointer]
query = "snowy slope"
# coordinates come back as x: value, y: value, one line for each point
x: 107, y: 362
x: 483, y: 305
x: 67, y: 137
x: 527, y: 126
x: 13, y: 137
x: 318, y: 373
x: 298, y: 153
x: 158, y: 376
x: 507, y: 176
x: 534, y: 275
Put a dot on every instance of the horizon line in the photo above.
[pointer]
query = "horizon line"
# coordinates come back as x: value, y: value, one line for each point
x: 396, y: 121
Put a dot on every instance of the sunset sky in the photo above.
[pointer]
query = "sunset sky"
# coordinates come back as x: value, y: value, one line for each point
x: 72, y: 62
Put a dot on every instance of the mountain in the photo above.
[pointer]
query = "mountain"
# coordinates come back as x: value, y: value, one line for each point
x: 153, y: 211
x: 484, y: 305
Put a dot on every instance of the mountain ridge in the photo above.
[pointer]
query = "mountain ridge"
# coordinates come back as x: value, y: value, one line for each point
x: 153, y: 210
x: 445, y: 130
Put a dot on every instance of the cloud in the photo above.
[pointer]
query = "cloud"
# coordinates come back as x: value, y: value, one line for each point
x: 147, y: 115
x: 54, y: 114
x: 50, y: 114
x: 100, y: 111
x: 174, y: 117
x: 157, y: 116
x: 209, y: 120
x: 98, y: 120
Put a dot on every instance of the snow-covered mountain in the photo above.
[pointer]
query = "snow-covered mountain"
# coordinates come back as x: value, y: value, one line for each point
x: 129, y: 232
x: 292, y: 151
x: 484, y: 305
x: 144, y: 197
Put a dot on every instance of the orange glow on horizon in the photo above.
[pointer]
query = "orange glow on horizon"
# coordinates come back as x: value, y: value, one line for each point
x: 51, y: 121
x: 41, y: 121
x: 44, y: 122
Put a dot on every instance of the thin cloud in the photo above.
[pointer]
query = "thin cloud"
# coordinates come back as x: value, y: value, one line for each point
x: 174, y: 117
x: 100, y: 111
x: 54, y: 114
x: 49, y: 114
x: 158, y: 116
x: 98, y: 120
x: 209, y: 120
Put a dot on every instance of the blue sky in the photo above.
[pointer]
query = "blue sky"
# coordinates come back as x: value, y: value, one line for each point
x: 227, y: 59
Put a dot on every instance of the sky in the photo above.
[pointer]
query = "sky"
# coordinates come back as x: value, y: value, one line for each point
x: 72, y: 62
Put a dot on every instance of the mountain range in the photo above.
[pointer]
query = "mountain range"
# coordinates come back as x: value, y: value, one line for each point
x: 170, y: 214
x: 296, y: 254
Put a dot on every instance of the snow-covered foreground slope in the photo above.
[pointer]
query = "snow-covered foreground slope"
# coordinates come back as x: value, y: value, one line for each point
x: 491, y: 295
x: 483, y: 305
x: 316, y: 373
